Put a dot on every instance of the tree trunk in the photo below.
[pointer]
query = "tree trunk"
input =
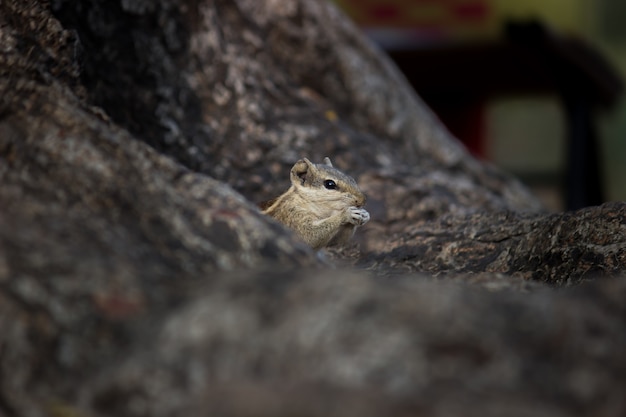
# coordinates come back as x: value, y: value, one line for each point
x: 137, y: 277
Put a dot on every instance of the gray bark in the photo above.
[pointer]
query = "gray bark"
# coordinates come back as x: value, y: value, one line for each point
x: 137, y: 277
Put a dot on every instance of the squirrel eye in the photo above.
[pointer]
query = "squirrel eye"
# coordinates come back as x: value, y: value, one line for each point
x: 330, y: 184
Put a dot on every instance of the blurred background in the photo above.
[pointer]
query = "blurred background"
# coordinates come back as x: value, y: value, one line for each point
x: 534, y: 86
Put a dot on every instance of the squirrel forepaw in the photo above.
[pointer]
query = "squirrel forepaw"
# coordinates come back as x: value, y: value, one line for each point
x: 358, y: 216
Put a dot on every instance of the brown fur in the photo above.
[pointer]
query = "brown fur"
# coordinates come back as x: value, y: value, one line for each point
x: 320, y: 216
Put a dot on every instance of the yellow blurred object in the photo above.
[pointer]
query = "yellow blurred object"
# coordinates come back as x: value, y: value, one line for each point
x: 569, y: 16
x: 331, y: 115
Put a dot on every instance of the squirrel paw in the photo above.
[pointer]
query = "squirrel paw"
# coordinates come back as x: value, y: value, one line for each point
x: 358, y: 216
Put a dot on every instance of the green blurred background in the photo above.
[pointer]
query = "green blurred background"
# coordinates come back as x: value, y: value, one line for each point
x: 523, y: 135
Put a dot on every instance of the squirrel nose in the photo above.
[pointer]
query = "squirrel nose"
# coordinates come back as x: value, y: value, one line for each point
x: 360, y: 200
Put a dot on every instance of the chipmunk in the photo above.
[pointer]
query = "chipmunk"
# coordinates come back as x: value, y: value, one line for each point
x: 323, y: 205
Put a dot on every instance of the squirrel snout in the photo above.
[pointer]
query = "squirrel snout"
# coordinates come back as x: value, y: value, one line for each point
x: 359, y: 201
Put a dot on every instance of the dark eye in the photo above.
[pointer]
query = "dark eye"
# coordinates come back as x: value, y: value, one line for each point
x: 330, y: 184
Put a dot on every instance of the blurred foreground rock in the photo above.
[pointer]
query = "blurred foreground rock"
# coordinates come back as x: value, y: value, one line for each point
x: 137, y: 278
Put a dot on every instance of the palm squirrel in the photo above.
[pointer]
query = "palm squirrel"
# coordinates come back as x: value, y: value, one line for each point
x: 323, y: 205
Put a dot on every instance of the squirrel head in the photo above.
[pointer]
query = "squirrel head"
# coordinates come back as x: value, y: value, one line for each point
x: 325, y: 183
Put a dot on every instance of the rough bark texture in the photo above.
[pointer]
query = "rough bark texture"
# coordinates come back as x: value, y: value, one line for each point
x: 137, y: 278
x: 559, y: 249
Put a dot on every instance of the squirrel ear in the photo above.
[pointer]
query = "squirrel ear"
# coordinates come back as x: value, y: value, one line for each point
x: 327, y: 162
x: 299, y: 170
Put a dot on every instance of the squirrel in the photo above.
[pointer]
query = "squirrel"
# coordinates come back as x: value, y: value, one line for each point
x: 323, y: 205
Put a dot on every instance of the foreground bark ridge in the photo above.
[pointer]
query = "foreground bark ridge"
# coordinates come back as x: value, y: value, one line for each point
x: 137, y: 277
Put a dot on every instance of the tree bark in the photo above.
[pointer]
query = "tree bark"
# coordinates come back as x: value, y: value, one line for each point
x: 137, y: 277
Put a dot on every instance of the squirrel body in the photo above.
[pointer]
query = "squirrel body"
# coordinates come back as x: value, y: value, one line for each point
x: 323, y: 205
